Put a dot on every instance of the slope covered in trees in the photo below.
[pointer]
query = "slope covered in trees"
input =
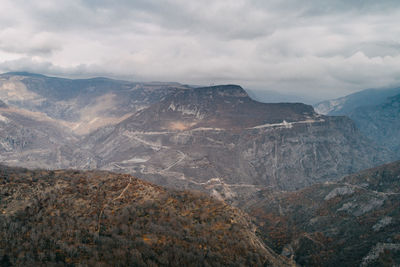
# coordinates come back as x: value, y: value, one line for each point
x: 100, y: 219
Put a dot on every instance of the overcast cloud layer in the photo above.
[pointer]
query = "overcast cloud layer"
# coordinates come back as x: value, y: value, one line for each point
x: 318, y: 48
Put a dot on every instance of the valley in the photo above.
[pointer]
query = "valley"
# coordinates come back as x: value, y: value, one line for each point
x: 287, y: 177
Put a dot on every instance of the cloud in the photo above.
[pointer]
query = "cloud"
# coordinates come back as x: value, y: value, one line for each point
x: 319, y: 48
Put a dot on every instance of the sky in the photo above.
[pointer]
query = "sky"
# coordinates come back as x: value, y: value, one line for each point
x: 318, y: 49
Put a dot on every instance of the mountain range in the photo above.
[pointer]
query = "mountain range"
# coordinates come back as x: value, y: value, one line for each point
x: 291, y: 171
x: 215, y: 139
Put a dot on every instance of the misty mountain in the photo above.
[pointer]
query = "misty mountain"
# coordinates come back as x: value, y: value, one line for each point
x: 375, y: 112
x: 380, y: 123
x: 344, y: 105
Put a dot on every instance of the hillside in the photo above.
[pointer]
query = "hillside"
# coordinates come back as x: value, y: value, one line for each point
x: 352, y: 222
x: 34, y: 140
x: 98, y: 218
x: 83, y: 104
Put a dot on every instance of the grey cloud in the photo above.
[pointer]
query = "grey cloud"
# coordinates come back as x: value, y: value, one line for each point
x: 325, y: 48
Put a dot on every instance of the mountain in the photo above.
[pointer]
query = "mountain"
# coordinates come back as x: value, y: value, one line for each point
x: 219, y: 140
x: 346, y: 104
x: 215, y: 139
x: 225, y: 107
x: 68, y: 218
x: 33, y: 139
x: 352, y: 222
x: 380, y: 123
x: 84, y: 104
x: 375, y: 112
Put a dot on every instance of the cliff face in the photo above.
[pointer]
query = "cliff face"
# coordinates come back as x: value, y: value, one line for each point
x: 99, y: 218
x: 352, y: 222
x: 199, y: 139
x: 226, y: 107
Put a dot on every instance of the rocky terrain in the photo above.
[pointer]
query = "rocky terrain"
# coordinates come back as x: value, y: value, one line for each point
x: 30, y: 139
x: 352, y: 222
x: 279, y: 162
x: 215, y: 139
x: 82, y: 105
x: 68, y: 218
x: 219, y: 140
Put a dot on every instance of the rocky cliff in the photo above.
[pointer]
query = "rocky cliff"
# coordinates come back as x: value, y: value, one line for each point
x: 220, y: 140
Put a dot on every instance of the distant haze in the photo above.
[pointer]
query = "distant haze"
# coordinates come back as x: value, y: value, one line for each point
x: 317, y: 49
